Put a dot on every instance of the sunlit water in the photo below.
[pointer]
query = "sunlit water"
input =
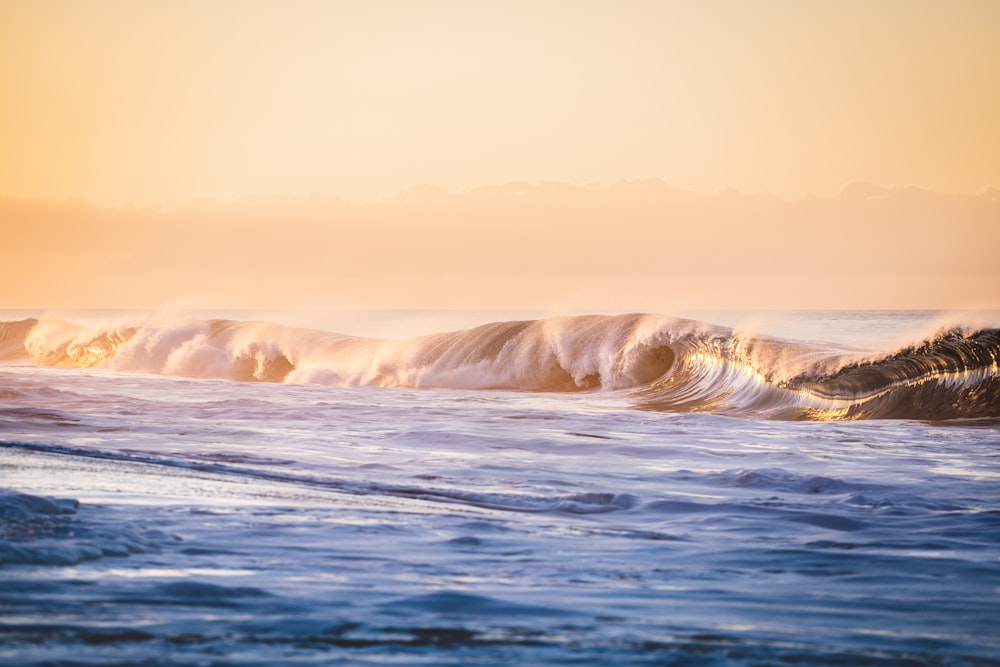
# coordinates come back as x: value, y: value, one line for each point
x: 165, y: 520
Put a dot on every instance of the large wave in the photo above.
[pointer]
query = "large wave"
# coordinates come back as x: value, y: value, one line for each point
x: 661, y: 363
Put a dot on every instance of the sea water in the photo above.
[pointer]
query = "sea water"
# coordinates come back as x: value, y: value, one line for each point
x: 793, y: 488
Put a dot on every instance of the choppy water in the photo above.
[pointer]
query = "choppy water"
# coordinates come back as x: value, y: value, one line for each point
x: 154, y: 517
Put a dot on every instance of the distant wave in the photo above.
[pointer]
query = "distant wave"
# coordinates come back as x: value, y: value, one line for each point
x: 661, y: 363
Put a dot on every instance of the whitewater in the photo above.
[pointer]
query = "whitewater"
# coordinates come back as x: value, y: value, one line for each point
x: 815, y: 488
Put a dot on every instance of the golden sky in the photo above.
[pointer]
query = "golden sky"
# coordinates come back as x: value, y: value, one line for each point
x: 108, y: 102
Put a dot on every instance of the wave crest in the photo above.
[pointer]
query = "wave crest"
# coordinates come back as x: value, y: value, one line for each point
x: 661, y: 363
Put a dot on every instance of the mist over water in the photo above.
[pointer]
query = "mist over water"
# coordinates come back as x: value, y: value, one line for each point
x: 718, y: 489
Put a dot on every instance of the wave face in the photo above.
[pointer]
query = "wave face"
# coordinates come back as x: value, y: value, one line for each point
x: 661, y: 363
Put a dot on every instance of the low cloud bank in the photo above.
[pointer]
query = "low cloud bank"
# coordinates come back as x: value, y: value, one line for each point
x: 629, y: 245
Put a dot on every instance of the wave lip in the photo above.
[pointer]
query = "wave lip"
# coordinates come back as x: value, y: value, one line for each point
x: 658, y: 362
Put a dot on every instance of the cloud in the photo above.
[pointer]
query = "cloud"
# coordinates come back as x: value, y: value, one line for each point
x: 629, y: 244
x: 860, y: 190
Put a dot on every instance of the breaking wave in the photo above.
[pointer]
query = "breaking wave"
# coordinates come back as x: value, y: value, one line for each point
x: 661, y: 363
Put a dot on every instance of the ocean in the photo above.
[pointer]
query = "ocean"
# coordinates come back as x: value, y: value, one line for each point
x: 794, y: 488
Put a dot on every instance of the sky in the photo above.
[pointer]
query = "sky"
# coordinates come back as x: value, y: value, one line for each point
x: 247, y: 153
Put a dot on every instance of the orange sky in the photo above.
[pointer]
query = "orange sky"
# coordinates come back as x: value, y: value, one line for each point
x: 139, y: 101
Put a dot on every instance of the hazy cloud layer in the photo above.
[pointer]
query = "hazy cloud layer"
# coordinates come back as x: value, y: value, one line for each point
x: 638, y: 245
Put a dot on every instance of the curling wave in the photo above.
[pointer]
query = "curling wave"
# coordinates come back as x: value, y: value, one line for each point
x: 661, y: 363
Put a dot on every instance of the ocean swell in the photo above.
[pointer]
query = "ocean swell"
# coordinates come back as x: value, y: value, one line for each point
x: 659, y: 363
